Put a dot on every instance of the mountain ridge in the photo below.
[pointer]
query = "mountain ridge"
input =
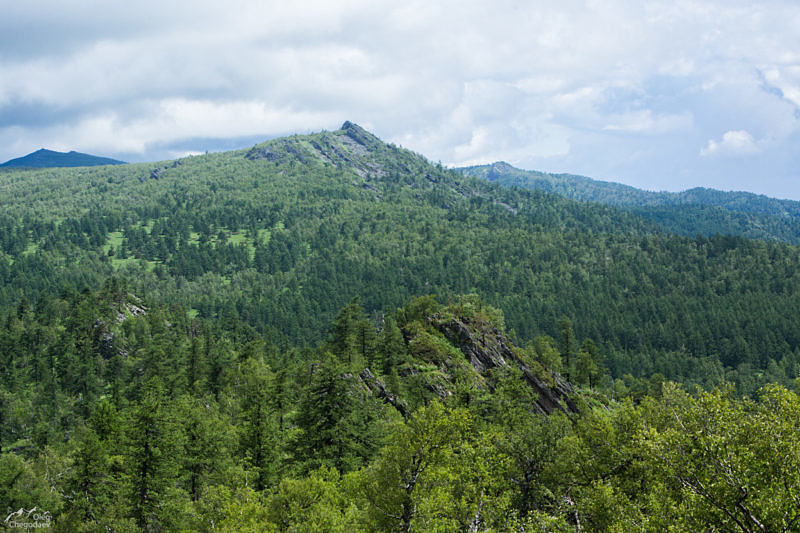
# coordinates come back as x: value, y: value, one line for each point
x: 505, y: 173
x: 44, y: 158
x: 176, y: 338
x: 695, y: 211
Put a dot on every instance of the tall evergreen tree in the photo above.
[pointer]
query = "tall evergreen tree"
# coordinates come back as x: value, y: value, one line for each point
x: 154, y: 441
x: 259, y: 432
x: 89, y: 485
x: 391, y: 347
x: 587, y: 366
x: 566, y: 345
x: 195, y: 366
x: 335, y: 419
x: 348, y: 339
x: 208, y: 447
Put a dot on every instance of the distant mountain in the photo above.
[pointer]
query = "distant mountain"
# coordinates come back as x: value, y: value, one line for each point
x: 697, y: 211
x: 48, y: 158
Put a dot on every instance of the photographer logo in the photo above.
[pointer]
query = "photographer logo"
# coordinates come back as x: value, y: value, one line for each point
x: 28, y: 519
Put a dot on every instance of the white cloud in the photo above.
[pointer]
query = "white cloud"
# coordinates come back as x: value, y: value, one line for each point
x: 166, y: 122
x: 681, y: 66
x: 645, y: 121
x: 733, y: 143
x: 786, y: 79
x: 530, y: 82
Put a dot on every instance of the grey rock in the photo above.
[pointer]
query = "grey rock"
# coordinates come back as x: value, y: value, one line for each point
x: 263, y: 152
x: 379, y: 390
x: 489, y: 349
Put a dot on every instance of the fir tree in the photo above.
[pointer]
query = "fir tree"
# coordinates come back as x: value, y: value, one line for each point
x: 258, y: 431
x: 153, y: 444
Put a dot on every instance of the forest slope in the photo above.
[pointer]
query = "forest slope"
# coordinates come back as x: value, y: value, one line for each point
x: 273, y: 240
x: 121, y: 415
x: 692, y: 212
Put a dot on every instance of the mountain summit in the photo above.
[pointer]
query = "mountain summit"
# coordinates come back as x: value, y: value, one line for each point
x: 48, y: 158
x: 350, y: 147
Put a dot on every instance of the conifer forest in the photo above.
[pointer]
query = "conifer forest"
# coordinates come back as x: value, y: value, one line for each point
x: 330, y: 333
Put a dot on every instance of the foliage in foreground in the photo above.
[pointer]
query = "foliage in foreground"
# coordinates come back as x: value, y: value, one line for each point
x: 153, y: 421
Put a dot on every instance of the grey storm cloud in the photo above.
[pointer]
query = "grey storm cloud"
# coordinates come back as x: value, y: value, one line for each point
x: 658, y: 94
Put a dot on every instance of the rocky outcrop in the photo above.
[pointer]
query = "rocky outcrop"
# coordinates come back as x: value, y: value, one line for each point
x: 486, y: 348
x: 507, y: 207
x: 379, y: 390
x: 263, y: 152
x: 358, y: 134
x: 350, y: 147
x: 131, y: 307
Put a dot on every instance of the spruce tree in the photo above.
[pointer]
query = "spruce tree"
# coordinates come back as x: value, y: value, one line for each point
x: 348, y: 339
x: 391, y: 347
x: 335, y: 419
x: 89, y: 483
x: 587, y: 367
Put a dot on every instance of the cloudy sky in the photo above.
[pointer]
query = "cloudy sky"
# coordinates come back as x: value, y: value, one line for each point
x: 662, y: 95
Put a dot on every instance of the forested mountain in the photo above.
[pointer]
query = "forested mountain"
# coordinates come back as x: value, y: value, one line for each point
x: 693, y: 212
x: 48, y: 158
x: 275, y: 239
x: 329, y: 333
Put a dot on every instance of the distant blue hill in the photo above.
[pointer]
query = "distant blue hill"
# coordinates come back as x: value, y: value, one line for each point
x: 48, y: 158
x: 697, y: 211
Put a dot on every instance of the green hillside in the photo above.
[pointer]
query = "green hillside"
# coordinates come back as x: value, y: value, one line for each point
x: 330, y: 333
x: 693, y: 212
x: 275, y: 239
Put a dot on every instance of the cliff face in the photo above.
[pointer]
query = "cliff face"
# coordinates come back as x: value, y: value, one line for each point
x: 486, y: 348
x: 378, y: 389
